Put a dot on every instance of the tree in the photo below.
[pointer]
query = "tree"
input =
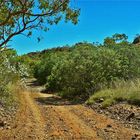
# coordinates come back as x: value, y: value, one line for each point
x: 116, y: 39
x: 23, y: 16
x: 120, y: 37
x: 108, y: 41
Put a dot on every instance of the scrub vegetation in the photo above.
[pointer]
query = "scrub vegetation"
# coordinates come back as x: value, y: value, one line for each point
x: 12, y: 73
x: 83, y: 71
x: 87, y: 70
x: 100, y: 75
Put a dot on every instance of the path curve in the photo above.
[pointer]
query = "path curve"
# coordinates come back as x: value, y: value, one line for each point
x: 48, y: 117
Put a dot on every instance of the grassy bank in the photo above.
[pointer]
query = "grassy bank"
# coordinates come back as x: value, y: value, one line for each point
x: 121, y: 92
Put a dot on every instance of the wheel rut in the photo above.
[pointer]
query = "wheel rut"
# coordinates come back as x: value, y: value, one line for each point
x: 44, y: 116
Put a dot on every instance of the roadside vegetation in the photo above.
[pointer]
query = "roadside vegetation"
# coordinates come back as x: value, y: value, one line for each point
x: 84, y: 71
x: 11, y: 72
x: 91, y: 71
x: 123, y: 91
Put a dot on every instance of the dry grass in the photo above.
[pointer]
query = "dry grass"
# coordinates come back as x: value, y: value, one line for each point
x: 121, y: 91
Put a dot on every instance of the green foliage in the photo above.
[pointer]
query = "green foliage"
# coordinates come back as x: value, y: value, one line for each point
x: 123, y: 91
x: 120, y: 37
x: 109, y: 42
x: 116, y: 40
x: 44, y: 68
x: 10, y: 72
x: 86, y: 68
x: 27, y: 62
x: 20, y: 16
x: 73, y: 74
x: 7, y: 77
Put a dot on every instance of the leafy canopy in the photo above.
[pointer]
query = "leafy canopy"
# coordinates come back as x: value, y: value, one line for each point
x: 22, y: 16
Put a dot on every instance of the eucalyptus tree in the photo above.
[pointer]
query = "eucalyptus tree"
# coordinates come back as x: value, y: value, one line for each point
x: 24, y: 16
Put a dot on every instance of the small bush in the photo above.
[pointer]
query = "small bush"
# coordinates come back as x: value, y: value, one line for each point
x: 108, y: 102
x: 10, y: 72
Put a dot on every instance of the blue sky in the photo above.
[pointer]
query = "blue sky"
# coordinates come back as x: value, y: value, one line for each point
x: 98, y: 19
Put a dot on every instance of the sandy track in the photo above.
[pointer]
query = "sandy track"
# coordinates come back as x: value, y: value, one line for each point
x: 28, y: 124
x: 48, y: 117
x: 75, y: 121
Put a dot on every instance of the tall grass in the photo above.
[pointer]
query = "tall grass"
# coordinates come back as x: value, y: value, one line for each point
x: 120, y: 91
x: 11, y: 71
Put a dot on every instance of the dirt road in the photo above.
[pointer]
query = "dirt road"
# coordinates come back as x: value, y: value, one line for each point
x: 48, y: 117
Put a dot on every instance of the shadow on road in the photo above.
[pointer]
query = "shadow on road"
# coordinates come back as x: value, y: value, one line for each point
x: 55, y: 100
x: 49, y: 98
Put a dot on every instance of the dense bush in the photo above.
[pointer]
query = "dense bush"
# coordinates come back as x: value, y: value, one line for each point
x: 87, y: 68
x: 10, y: 72
x: 43, y: 68
x: 73, y: 75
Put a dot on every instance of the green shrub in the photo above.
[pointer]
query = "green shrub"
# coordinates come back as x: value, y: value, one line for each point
x: 44, y: 68
x: 10, y: 72
x: 87, y: 68
x: 72, y: 76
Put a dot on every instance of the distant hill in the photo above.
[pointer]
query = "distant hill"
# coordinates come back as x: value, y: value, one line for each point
x: 40, y: 53
x: 58, y: 49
